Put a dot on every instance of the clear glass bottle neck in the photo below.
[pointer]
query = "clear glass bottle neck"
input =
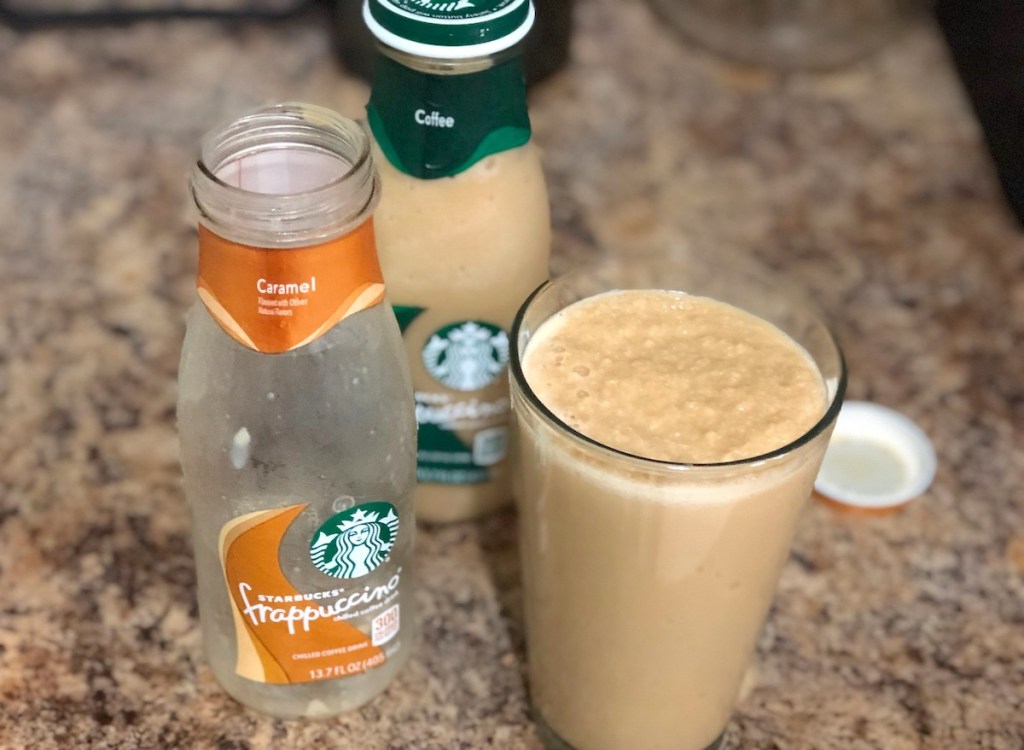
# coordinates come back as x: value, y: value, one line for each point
x: 290, y: 175
x: 437, y: 66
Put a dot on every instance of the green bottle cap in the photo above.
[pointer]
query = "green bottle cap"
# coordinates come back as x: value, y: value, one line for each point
x: 449, y: 29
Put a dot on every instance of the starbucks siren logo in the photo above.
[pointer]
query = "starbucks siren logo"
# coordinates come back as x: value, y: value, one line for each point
x: 356, y: 541
x: 466, y: 356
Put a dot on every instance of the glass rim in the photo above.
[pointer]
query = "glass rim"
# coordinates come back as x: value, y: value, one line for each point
x: 296, y: 113
x: 523, y: 386
x: 283, y: 220
x: 327, y: 187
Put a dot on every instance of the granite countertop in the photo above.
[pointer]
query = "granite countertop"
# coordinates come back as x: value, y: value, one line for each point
x: 868, y: 186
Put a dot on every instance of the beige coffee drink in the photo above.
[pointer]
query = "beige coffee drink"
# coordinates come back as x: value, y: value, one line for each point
x: 464, y: 230
x: 430, y: 237
x: 652, y: 536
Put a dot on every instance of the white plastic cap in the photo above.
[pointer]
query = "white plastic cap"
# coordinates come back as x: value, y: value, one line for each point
x: 878, y: 459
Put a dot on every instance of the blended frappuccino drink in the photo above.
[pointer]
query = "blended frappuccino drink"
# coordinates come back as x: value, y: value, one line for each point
x: 652, y: 533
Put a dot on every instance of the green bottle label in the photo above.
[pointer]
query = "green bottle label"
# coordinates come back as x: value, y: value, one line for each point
x: 431, y: 126
x: 463, y: 429
x: 462, y: 406
x: 406, y: 314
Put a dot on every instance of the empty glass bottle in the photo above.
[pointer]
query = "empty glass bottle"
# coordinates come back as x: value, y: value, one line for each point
x: 296, y: 420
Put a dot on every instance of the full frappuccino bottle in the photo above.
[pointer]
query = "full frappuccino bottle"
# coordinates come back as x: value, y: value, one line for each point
x: 463, y: 229
x: 296, y: 420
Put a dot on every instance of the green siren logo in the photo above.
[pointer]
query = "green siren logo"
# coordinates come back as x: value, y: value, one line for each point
x: 466, y: 356
x: 356, y: 541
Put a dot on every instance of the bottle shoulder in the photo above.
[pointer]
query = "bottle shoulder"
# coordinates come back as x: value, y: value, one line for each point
x: 483, y: 233
x: 518, y: 168
x: 368, y: 340
x: 497, y: 206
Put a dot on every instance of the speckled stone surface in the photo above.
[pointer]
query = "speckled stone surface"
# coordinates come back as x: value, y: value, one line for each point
x: 868, y: 186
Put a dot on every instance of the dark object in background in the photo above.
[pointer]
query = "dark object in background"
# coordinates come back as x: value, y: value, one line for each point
x: 987, y: 43
x: 546, y: 48
x: 28, y: 14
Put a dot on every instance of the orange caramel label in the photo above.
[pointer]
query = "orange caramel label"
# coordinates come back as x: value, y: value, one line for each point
x: 276, y: 300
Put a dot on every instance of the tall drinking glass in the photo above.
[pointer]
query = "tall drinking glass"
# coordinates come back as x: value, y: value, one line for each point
x: 645, y: 581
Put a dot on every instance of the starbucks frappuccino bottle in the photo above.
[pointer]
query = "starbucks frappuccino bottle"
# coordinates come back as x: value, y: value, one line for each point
x: 296, y: 420
x: 463, y: 229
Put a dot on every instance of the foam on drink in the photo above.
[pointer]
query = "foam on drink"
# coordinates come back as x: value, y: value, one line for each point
x: 674, y: 377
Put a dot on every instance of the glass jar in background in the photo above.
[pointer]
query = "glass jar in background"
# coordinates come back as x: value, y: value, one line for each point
x: 789, y: 34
